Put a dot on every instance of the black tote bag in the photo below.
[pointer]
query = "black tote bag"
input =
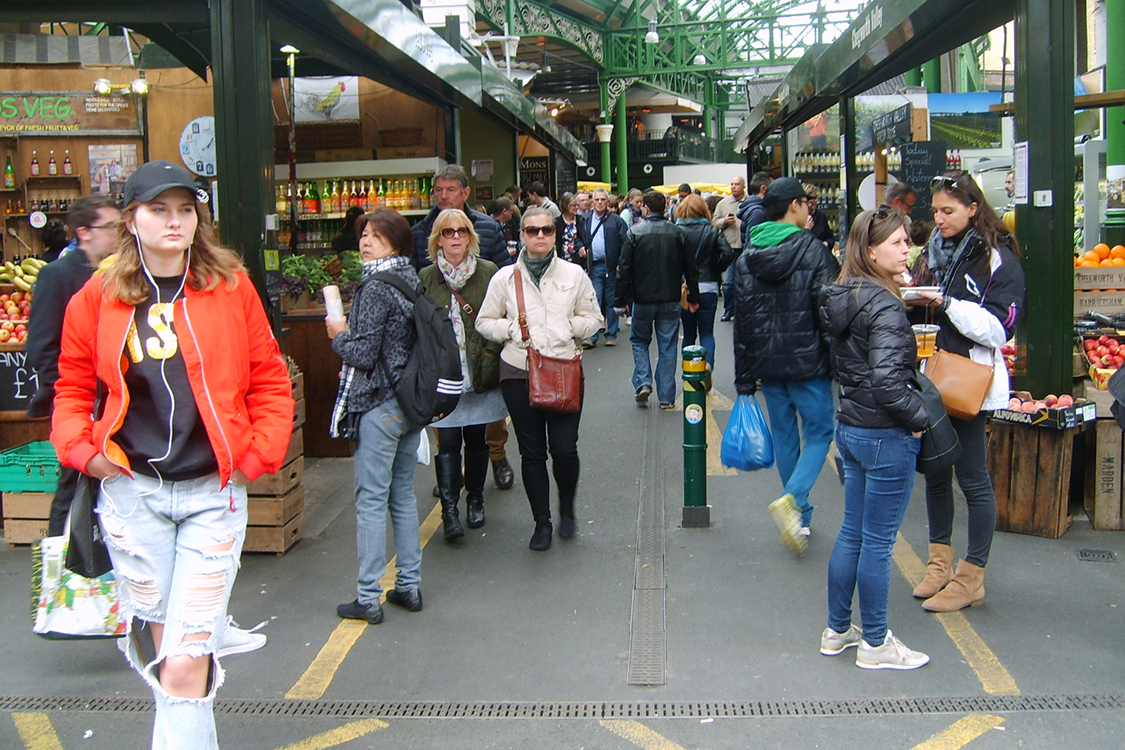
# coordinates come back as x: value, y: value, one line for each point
x: 940, y: 446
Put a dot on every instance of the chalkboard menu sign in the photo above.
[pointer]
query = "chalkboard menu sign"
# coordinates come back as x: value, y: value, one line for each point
x: 535, y: 169
x: 18, y: 381
x: 566, y: 175
x: 921, y: 162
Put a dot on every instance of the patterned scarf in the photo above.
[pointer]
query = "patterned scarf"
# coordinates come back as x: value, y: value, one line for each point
x: 536, y: 267
x: 456, y: 276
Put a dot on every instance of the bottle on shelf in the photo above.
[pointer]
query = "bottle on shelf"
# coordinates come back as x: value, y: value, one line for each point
x: 345, y: 197
x: 10, y: 207
x: 416, y: 194
x: 381, y: 195
x: 52, y: 165
x: 67, y: 165
x: 34, y: 164
x: 288, y: 199
x: 325, y: 199
x: 372, y: 196
x: 9, y: 175
x: 279, y: 200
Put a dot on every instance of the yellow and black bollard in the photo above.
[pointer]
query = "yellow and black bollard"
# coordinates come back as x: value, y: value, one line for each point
x: 697, y: 513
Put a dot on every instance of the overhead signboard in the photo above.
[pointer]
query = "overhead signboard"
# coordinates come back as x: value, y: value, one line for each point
x: 67, y: 113
x: 892, y: 128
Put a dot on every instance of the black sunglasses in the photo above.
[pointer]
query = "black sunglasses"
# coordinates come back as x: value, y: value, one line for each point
x: 879, y: 213
x: 544, y: 230
x: 451, y: 232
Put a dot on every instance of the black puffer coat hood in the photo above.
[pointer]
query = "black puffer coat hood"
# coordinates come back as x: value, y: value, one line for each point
x: 873, y: 354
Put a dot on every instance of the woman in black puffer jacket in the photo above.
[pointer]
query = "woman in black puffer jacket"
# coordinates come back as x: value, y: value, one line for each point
x: 879, y: 423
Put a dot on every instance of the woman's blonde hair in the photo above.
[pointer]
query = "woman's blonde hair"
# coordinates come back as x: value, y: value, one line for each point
x: 871, y: 228
x: 445, y: 220
x: 208, y: 261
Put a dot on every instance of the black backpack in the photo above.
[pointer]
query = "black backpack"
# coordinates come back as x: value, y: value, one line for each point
x: 431, y: 384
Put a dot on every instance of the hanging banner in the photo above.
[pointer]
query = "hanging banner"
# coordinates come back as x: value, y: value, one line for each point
x: 327, y: 99
x: 68, y: 113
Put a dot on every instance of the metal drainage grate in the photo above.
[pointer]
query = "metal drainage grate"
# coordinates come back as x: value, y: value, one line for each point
x: 1096, y: 555
x: 594, y: 710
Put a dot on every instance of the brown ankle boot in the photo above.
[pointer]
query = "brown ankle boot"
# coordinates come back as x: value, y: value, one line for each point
x: 939, y: 571
x: 965, y: 590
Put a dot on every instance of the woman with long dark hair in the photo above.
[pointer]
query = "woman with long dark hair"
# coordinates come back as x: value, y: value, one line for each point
x: 878, y: 424
x: 973, y: 258
x: 196, y: 404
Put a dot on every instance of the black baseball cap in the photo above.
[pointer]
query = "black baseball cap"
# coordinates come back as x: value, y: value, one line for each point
x: 784, y: 190
x: 153, y: 178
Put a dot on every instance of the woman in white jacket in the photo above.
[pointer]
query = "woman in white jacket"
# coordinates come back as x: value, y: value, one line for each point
x: 561, y: 311
x: 975, y: 261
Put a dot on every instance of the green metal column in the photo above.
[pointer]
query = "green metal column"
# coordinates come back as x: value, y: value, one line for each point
x: 913, y: 77
x: 606, y: 119
x: 621, y: 133
x: 1114, y: 125
x: 240, y: 65
x: 931, y: 76
x: 1044, y: 95
x: 850, y: 176
x: 697, y: 513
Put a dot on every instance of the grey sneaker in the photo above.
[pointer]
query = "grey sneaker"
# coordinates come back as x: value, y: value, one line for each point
x: 787, y: 517
x: 643, y: 393
x: 833, y: 643
x: 235, y: 640
x: 893, y: 654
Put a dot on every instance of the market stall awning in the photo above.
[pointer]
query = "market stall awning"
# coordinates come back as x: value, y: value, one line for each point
x: 885, y: 40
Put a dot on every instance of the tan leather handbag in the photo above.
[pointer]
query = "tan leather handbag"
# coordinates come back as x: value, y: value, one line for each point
x: 963, y: 383
x: 553, y: 384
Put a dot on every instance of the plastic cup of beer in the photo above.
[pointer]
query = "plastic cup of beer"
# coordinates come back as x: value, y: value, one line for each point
x: 925, y: 336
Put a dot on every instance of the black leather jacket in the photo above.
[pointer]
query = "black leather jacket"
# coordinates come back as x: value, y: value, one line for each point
x: 654, y: 262
x: 873, y: 353
x: 777, y: 333
x: 715, y: 253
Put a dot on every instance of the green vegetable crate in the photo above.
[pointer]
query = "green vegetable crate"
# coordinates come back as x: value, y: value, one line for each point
x: 29, y: 468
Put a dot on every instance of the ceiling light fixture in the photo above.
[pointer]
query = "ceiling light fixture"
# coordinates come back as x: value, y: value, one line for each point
x: 700, y: 59
x: 653, y: 36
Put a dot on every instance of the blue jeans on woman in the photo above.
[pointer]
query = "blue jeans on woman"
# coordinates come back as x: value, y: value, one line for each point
x: 384, y: 480
x: 175, y: 548
x: 703, y: 322
x: 878, y: 481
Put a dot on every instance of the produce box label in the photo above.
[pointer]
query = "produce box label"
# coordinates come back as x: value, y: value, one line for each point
x: 1103, y: 302
x: 1104, y: 279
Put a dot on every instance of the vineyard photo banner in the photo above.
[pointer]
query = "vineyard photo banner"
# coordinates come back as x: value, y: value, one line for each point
x: 963, y: 120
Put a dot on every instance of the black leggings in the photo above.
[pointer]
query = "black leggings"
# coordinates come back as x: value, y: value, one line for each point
x: 449, y: 439
x: 972, y: 475
x: 538, y: 432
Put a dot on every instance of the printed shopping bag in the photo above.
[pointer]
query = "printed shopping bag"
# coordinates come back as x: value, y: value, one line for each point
x: 747, y: 443
x: 64, y: 605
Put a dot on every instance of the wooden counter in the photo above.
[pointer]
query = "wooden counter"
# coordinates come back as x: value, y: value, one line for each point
x: 306, y: 341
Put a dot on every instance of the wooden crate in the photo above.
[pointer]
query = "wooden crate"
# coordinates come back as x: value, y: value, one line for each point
x: 277, y: 539
x: 296, y: 447
x: 276, y: 511
x: 26, y: 516
x: 298, y: 383
x: 1031, y: 472
x: 298, y: 413
x: 1104, y: 464
x: 278, y: 484
x: 24, y: 530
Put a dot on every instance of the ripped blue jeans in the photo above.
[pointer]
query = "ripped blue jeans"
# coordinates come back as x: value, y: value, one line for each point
x: 175, y: 548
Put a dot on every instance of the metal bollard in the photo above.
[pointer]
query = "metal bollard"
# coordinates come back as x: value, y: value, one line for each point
x: 697, y: 513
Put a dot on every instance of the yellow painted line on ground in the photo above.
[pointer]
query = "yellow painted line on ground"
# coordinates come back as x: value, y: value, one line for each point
x: 961, y: 733
x: 993, y: 676
x: 639, y: 735
x: 36, y: 731
x: 339, y: 735
x: 716, y: 401
x: 319, y: 675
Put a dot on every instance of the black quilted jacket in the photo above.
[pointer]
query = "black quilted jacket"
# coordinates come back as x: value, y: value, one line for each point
x: 777, y: 334
x: 873, y: 354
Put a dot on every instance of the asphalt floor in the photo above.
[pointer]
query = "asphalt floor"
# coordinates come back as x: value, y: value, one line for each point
x: 522, y: 649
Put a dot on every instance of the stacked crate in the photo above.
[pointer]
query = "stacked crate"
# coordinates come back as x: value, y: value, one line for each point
x: 277, y: 501
x: 29, y: 475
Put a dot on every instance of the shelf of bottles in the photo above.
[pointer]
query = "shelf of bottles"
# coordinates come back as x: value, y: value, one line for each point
x: 321, y: 205
x: 49, y: 189
x: 819, y: 166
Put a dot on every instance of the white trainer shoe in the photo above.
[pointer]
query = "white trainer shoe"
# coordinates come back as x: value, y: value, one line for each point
x: 893, y: 654
x: 235, y: 640
x: 787, y: 517
x: 833, y: 643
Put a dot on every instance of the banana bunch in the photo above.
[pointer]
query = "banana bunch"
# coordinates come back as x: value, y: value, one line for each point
x: 23, y: 275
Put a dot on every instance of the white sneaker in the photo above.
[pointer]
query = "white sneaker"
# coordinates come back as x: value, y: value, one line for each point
x: 235, y: 640
x: 833, y: 643
x: 804, y: 531
x: 787, y: 517
x: 893, y: 654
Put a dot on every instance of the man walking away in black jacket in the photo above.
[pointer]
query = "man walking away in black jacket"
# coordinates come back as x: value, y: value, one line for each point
x: 778, y: 340
x: 654, y: 263
x: 93, y: 220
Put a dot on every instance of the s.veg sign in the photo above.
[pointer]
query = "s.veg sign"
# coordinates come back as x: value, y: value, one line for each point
x: 67, y: 112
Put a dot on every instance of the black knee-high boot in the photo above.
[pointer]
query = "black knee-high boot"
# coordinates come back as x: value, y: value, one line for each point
x: 476, y: 471
x: 449, y: 482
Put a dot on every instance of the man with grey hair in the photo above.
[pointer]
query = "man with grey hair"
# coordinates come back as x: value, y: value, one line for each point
x: 451, y: 190
x: 602, y: 233
x: 900, y: 196
x: 582, y: 200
